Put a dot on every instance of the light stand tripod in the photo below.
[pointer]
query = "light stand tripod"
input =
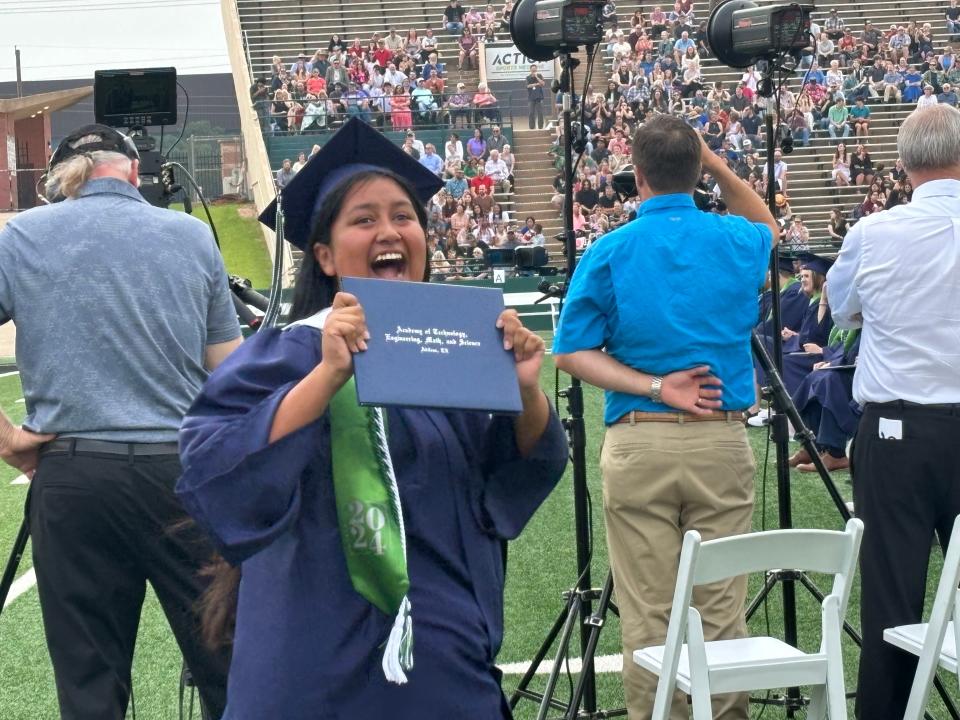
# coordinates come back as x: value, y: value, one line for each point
x: 580, y: 598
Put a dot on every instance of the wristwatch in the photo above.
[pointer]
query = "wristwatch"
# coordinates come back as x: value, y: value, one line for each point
x: 656, y: 386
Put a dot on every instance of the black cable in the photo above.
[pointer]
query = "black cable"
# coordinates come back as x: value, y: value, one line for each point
x: 203, y: 200
x: 160, y: 150
x: 186, y: 114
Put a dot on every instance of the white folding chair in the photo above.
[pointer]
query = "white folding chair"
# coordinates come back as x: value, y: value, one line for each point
x: 701, y: 669
x: 935, y: 642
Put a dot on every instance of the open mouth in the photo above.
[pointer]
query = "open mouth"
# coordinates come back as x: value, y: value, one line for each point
x: 389, y: 266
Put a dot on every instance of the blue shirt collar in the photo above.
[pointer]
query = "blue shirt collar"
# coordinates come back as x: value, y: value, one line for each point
x: 111, y: 186
x: 663, y: 202
x: 937, y: 188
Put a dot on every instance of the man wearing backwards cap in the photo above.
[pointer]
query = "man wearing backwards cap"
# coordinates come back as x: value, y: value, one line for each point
x: 896, y: 277
x: 108, y: 371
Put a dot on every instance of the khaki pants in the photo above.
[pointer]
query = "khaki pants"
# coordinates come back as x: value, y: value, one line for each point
x: 661, y: 479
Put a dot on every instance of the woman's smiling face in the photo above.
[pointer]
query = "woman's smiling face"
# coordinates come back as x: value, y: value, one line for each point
x: 376, y: 234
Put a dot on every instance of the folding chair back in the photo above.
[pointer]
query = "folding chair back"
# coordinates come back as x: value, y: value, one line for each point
x: 701, y: 563
x: 927, y: 641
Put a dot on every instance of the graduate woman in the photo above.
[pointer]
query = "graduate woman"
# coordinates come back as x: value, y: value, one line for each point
x: 263, y: 458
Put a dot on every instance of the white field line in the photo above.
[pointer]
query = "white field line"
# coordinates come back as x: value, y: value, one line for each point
x: 21, y: 401
x: 601, y: 664
x: 21, y: 585
x: 20, y: 480
x: 8, y: 374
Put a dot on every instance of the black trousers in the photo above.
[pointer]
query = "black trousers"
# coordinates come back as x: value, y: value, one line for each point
x: 102, y: 526
x: 536, y: 114
x: 904, y: 491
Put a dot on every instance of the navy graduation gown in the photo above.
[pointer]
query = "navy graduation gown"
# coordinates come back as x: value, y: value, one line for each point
x: 796, y: 366
x: 307, y: 646
x: 811, y: 329
x: 824, y: 400
x: 793, y: 304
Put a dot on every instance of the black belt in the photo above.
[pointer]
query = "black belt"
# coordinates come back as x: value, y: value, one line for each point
x: 78, y: 446
x: 907, y: 405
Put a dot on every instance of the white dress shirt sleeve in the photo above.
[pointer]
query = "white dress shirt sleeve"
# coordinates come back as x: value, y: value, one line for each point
x: 842, y: 295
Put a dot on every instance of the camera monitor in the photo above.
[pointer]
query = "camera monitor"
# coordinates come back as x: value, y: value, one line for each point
x: 135, y: 98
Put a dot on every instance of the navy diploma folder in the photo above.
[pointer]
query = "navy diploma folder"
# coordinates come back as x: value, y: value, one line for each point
x: 433, y: 346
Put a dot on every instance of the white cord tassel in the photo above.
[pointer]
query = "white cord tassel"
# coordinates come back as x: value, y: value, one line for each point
x: 398, y: 655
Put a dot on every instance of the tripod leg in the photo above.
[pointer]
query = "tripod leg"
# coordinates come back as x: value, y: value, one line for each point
x: 596, y: 621
x: 16, y: 555
x: 558, y: 624
x: 573, y: 613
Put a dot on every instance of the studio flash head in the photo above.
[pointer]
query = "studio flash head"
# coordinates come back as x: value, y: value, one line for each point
x: 543, y: 28
x: 740, y: 33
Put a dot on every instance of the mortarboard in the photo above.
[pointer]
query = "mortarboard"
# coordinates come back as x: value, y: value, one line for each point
x: 817, y: 263
x: 355, y: 147
x: 785, y: 260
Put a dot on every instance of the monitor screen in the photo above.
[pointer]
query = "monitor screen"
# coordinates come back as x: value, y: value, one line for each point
x: 135, y: 98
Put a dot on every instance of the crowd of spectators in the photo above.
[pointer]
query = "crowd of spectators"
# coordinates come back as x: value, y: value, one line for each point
x: 393, y: 80
x: 654, y: 66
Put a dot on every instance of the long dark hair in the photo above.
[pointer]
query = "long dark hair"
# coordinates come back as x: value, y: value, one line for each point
x: 313, y: 291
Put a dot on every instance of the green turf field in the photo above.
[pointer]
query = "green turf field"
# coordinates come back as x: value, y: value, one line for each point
x: 542, y: 563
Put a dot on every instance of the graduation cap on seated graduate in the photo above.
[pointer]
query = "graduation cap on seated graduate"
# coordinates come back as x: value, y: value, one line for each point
x: 785, y: 260
x: 817, y: 263
x: 353, y: 148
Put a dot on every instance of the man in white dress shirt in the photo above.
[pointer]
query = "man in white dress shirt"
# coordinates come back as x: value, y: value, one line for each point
x: 898, y: 275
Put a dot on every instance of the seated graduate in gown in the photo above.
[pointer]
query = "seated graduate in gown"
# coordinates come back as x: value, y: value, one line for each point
x: 368, y: 544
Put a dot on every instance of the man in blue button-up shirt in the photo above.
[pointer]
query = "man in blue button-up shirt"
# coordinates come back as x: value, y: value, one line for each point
x: 656, y: 312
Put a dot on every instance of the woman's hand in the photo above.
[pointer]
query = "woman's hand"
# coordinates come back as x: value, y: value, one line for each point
x: 695, y: 390
x: 812, y: 348
x: 787, y: 333
x: 528, y: 350
x: 344, y: 333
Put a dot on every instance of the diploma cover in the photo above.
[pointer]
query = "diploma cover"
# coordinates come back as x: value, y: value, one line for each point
x: 433, y: 346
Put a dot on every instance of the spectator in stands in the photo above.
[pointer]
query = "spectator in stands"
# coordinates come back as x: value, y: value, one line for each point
x: 860, y: 118
x: 457, y: 185
x: 912, y: 84
x: 780, y: 170
x: 798, y: 236
x: 841, y: 166
x: 453, y: 148
x: 870, y: 40
x: 928, y: 99
x: 892, y: 83
x: 425, y: 103
x: 509, y: 159
x: 825, y: 49
x: 298, y: 165
x: 948, y: 96
x: 477, y: 145
x: 400, y: 115
x: 469, y: 49
x: 453, y: 17
x: 485, y: 105
x: 900, y: 194
x: 899, y: 44
x: 837, y: 226
x: 497, y: 170
x: 838, y: 117
x: 430, y: 160
x: 496, y: 140
x: 481, y: 179
x: 535, y: 92
x: 281, y: 109
x: 458, y: 106
x: 861, y: 166
x: 952, y: 16
x: 587, y: 196
x: 833, y: 25
x: 284, y: 174
x: 337, y: 74
x: 873, y: 203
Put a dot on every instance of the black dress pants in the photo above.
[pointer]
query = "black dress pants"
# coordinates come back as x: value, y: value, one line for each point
x: 102, y: 526
x: 905, y: 490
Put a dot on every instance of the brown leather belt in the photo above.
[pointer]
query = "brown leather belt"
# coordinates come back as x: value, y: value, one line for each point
x: 639, y: 416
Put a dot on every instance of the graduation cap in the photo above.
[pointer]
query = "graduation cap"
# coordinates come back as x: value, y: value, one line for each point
x: 354, y: 148
x: 817, y: 263
x: 785, y: 259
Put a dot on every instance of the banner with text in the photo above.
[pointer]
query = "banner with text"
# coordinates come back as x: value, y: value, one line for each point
x: 508, y: 63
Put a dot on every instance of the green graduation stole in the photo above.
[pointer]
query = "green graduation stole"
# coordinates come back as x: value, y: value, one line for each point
x: 370, y: 517
x: 843, y: 336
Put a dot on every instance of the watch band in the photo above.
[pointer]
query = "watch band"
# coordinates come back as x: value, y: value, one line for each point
x: 656, y: 388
